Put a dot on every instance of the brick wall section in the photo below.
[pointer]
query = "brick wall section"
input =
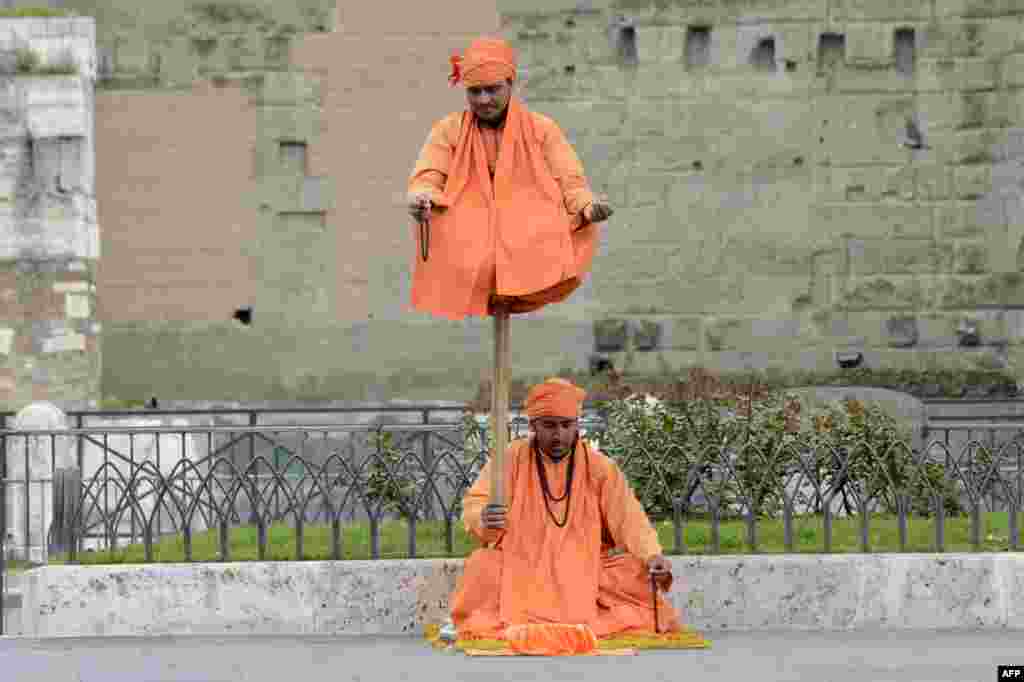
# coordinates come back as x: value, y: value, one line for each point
x: 177, y: 203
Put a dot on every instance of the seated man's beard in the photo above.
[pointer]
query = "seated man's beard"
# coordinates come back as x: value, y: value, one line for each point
x: 567, y: 451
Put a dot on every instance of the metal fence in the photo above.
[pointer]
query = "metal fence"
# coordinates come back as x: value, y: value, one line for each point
x: 102, y: 487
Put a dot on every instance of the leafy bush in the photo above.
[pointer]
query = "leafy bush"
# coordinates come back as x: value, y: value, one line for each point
x: 740, y: 449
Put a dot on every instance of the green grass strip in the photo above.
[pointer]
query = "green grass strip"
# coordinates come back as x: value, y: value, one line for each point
x: 808, y: 537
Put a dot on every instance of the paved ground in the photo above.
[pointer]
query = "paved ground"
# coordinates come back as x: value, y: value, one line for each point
x: 736, y: 657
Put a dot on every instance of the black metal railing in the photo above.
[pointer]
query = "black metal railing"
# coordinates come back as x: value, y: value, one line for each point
x: 116, y: 486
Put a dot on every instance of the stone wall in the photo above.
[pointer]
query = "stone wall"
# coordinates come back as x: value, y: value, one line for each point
x: 772, y: 209
x: 49, y: 237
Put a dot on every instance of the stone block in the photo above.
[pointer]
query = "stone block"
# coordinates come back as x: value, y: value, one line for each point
x: 132, y: 54
x: 659, y: 362
x: 660, y: 44
x: 6, y: 340
x: 977, y: 146
x: 861, y: 130
x: 595, y: 117
x: 179, y: 62
x: 646, y: 190
x: 982, y: 38
x: 976, y: 9
x: 890, y: 293
x: 971, y: 258
x: 766, y: 295
x: 870, y: 10
x: 668, y: 294
x: 754, y: 11
x: 289, y: 87
x: 870, y: 43
x: 934, y: 110
x: 643, y: 260
x: 958, y: 220
x: 587, y: 82
x: 647, y: 116
x: 852, y: 183
x: 757, y: 85
x: 964, y: 74
x: 289, y: 122
x: 1013, y: 70
x: 764, y: 253
x: 932, y: 182
x: 683, y: 333
x: 871, y: 78
x: 897, y: 256
x: 901, y: 331
x: 892, y: 221
x: 993, y: 289
x: 972, y: 182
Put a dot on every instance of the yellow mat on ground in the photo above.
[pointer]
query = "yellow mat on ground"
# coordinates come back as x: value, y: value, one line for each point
x: 626, y: 644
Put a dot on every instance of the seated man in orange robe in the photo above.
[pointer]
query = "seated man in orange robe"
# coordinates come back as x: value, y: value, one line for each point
x: 573, y: 545
x: 511, y: 215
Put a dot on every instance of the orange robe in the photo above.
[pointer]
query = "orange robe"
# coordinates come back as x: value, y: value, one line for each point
x: 535, y: 572
x: 508, y: 219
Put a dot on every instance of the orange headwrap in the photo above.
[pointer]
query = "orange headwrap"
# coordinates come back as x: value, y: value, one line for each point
x: 487, y: 61
x: 554, y: 398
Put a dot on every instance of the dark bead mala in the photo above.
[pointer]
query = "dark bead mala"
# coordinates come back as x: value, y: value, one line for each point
x: 546, y: 489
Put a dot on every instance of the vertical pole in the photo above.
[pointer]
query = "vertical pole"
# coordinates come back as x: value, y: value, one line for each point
x: 499, y: 404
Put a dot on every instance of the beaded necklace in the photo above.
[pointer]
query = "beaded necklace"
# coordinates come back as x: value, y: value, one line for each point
x: 569, y: 474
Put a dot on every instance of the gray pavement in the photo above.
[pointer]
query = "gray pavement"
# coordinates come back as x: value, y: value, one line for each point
x: 912, y: 656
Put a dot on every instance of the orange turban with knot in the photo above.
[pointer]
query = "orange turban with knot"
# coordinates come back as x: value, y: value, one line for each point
x: 554, y: 398
x: 487, y: 61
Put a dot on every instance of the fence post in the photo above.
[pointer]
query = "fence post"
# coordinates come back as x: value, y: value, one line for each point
x: 3, y: 524
x: 32, y: 460
x: 67, y: 486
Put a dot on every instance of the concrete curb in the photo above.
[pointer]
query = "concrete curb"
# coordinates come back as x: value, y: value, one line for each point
x: 754, y: 592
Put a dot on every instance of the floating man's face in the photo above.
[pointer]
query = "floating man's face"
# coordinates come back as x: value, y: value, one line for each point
x: 489, y: 102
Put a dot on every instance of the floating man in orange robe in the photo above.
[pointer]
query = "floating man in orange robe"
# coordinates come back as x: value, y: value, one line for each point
x: 511, y: 216
x: 573, y: 545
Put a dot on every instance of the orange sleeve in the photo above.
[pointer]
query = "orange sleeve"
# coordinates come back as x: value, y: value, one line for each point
x: 566, y: 168
x: 477, y: 497
x: 431, y: 170
x: 626, y: 518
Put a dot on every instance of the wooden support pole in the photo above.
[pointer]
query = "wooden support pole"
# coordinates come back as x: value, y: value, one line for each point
x: 499, y: 404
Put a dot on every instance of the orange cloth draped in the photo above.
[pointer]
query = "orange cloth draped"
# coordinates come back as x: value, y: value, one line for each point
x: 554, y: 397
x: 508, y: 223
x: 535, y: 572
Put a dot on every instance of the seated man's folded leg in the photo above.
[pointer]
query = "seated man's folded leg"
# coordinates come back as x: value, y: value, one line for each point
x: 624, y: 599
x: 474, y: 602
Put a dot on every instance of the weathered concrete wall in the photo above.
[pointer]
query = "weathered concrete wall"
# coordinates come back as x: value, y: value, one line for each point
x: 788, y: 592
x: 49, y: 236
x: 769, y: 213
